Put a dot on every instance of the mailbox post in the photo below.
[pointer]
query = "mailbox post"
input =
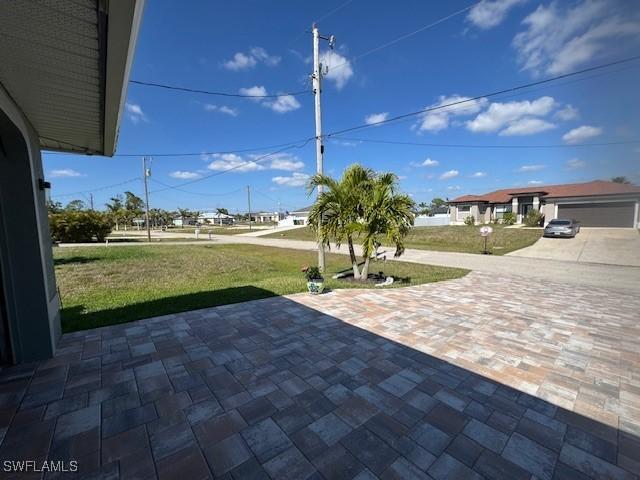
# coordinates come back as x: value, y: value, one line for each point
x: 485, y: 232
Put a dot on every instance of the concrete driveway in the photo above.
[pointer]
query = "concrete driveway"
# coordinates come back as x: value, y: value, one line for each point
x: 613, y: 246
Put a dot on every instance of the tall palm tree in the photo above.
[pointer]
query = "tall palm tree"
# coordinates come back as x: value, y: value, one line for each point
x: 363, y: 205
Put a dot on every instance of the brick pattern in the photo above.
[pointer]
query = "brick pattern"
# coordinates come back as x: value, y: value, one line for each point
x: 450, y: 380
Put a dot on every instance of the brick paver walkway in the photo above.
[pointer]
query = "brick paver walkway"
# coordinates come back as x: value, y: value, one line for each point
x: 479, y: 377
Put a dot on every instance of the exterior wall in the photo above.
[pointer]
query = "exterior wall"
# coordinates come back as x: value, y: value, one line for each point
x: 487, y: 215
x: 26, y: 259
x: 549, y: 210
x: 426, y: 221
x: 292, y: 220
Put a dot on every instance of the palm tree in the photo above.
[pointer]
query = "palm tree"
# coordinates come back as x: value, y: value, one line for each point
x: 115, y: 209
x: 361, y: 204
x: 336, y: 212
x: 388, y: 215
x: 184, y: 213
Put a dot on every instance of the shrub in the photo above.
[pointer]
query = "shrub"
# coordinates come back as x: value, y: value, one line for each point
x: 76, y: 227
x: 508, y: 218
x: 469, y: 220
x: 533, y: 218
x: 312, y: 273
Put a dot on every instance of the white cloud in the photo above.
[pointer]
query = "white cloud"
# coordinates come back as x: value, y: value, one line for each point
x: 246, y: 61
x: 286, y: 162
x: 576, y: 163
x: 508, y: 116
x: 453, y: 188
x: 222, y: 109
x: 261, y: 55
x: 439, y: 119
x: 479, y: 174
x: 557, y: 41
x: 527, y: 126
x: 449, y: 174
x: 283, y: 104
x: 568, y: 112
x: 430, y: 163
x: 426, y: 163
x: 296, y: 179
x: 256, y: 91
x: 231, y: 161
x: 253, y: 162
x: 65, y: 172
x: 240, y: 61
x: 581, y: 133
x: 534, y: 182
x: 134, y: 112
x: 376, y: 118
x: 531, y: 168
x: 340, y: 69
x: 490, y: 13
x: 184, y: 175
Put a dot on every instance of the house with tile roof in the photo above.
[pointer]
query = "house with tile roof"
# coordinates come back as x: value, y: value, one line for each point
x: 594, y: 204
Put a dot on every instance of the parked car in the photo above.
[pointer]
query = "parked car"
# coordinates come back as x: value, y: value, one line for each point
x: 559, y: 227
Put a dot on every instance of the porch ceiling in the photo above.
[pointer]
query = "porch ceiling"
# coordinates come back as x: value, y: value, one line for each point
x: 66, y: 65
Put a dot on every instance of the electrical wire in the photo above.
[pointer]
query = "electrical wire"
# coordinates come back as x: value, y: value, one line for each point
x: 338, y: 8
x: 407, y: 35
x: 457, y: 145
x: 97, y: 189
x: 239, y: 165
x: 220, y: 94
x: 173, y: 187
x: 486, y: 95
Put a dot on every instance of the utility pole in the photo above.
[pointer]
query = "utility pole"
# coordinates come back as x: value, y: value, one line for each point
x: 91, y: 200
x: 317, y: 90
x: 146, y: 172
x: 249, y: 201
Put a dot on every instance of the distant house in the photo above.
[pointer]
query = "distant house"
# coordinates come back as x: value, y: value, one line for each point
x: 216, y: 218
x: 184, y: 222
x: 267, y: 217
x: 297, y: 217
x: 593, y: 204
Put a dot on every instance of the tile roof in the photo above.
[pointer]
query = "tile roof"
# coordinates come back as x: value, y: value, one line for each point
x: 595, y: 188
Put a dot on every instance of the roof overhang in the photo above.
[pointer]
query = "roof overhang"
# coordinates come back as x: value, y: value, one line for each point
x: 66, y: 65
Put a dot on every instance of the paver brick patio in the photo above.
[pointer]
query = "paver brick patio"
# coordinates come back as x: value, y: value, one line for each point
x: 480, y: 377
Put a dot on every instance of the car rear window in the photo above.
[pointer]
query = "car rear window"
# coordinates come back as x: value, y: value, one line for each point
x: 560, y: 222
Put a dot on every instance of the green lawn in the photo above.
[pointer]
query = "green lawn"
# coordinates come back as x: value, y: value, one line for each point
x: 451, y: 238
x: 108, y: 285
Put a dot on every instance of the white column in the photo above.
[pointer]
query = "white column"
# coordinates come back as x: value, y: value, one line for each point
x: 536, y: 203
x: 514, y: 209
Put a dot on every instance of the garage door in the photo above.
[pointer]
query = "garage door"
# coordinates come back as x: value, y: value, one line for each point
x: 619, y: 214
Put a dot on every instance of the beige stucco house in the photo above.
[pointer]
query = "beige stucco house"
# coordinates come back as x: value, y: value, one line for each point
x: 594, y: 204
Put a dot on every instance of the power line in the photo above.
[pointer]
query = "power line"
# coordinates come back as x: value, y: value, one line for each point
x: 407, y: 35
x: 97, y: 189
x: 239, y: 165
x: 220, y: 94
x: 338, y: 8
x: 486, y: 95
x: 186, y: 154
x: 173, y: 187
x: 458, y: 145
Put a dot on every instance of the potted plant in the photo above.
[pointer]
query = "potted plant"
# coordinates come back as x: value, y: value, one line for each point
x: 315, y: 281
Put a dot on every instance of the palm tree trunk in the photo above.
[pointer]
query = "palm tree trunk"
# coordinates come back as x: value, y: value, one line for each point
x: 365, y: 268
x: 354, y: 259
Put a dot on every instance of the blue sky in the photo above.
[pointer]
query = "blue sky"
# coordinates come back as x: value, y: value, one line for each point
x: 264, y: 47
